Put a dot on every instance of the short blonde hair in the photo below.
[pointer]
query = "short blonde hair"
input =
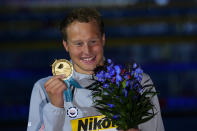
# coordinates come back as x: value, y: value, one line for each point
x: 81, y: 15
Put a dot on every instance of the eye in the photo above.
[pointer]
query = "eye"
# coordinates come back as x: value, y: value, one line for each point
x: 92, y: 42
x: 78, y: 43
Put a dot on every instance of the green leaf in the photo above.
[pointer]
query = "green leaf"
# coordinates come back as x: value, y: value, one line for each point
x: 124, y: 83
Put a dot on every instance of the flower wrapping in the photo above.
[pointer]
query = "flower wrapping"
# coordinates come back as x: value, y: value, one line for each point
x: 118, y: 94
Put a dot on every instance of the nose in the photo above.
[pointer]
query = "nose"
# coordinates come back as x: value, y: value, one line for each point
x: 86, y: 49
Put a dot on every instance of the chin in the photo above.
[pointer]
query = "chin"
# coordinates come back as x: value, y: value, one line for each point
x: 89, y: 68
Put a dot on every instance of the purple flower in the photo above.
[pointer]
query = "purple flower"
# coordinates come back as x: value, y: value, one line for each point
x: 111, y: 105
x: 139, y: 71
x: 105, y: 85
x: 138, y: 74
x: 118, y: 79
x: 110, y: 73
x: 127, y: 83
x: 132, y: 73
x: 109, y: 68
x: 109, y: 61
x: 134, y: 65
x: 126, y: 75
x: 125, y: 92
x: 101, y: 76
x: 115, y: 117
x: 117, y: 69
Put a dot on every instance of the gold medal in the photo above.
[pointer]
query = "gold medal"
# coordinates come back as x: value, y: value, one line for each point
x: 62, y: 67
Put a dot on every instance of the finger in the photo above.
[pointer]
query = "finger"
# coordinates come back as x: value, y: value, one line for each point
x: 61, y: 88
x: 53, y: 85
x: 54, y: 78
x: 58, y: 90
x: 56, y: 85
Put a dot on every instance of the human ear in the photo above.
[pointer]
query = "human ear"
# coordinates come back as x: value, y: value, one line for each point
x: 103, y: 39
x: 65, y: 44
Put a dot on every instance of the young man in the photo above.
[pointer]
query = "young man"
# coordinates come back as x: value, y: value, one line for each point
x: 84, y: 39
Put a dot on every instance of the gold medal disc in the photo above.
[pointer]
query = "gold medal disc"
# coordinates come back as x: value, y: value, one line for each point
x: 62, y: 67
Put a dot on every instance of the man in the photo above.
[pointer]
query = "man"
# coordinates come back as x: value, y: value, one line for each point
x: 84, y: 39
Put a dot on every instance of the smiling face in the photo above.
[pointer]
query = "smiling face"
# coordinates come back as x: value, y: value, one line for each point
x: 85, y: 46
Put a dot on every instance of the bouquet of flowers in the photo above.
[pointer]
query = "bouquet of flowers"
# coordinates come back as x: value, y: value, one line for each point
x: 118, y: 94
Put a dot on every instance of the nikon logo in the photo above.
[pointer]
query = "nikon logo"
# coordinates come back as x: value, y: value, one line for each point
x: 92, y: 124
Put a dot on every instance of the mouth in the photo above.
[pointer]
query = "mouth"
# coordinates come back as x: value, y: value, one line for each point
x: 88, y: 60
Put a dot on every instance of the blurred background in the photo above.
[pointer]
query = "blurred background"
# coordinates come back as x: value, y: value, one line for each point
x: 161, y: 35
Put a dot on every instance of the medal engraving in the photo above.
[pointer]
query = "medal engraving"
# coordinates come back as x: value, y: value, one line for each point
x: 62, y: 67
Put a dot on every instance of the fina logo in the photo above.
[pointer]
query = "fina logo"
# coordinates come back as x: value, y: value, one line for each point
x: 72, y: 112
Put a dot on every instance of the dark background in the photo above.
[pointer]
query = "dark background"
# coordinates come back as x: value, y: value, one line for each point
x: 161, y: 35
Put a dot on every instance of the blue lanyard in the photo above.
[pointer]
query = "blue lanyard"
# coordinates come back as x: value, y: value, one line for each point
x: 70, y: 82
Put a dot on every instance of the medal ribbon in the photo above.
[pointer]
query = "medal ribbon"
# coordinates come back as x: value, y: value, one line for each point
x: 70, y: 82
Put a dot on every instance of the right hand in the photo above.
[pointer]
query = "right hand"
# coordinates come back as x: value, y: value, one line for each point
x: 55, y: 88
